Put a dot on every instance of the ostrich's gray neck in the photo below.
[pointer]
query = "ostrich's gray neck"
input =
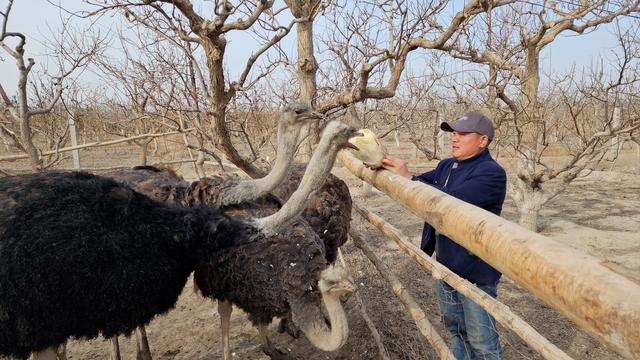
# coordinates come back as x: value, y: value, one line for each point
x: 314, y: 176
x: 250, y: 189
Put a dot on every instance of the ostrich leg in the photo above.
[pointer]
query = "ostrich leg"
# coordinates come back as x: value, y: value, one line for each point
x: 144, y: 353
x: 46, y: 354
x: 224, y: 310
x: 267, y: 346
x: 115, y: 349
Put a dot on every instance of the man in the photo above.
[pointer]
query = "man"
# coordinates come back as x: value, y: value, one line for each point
x: 474, y: 177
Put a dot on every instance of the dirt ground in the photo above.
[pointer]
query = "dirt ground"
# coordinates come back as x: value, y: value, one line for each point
x: 599, y: 215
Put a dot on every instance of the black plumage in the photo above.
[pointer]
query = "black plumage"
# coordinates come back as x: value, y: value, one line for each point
x: 328, y: 210
x: 82, y: 255
x: 278, y: 268
x: 278, y: 272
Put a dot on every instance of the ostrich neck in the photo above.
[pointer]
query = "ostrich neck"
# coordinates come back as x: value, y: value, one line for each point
x: 250, y: 189
x: 314, y: 176
x: 286, y: 148
x: 316, y: 330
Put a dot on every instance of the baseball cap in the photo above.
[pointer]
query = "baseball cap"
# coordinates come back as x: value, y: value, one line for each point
x: 470, y: 122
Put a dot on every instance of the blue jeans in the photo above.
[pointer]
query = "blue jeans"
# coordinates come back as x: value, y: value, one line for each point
x: 473, y: 331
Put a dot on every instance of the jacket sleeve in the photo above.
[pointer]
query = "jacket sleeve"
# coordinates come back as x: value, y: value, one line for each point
x: 484, y: 187
x: 427, y: 178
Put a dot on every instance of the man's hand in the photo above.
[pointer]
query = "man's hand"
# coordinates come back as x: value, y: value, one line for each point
x: 396, y: 165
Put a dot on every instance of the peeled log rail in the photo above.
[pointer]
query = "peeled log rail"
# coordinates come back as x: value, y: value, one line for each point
x: 501, y: 312
x: 407, y: 300
x: 597, y: 299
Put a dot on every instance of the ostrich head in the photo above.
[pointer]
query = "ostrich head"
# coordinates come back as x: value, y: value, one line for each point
x: 306, y: 313
x: 293, y: 118
x: 296, y: 113
x: 335, y: 281
x: 335, y: 137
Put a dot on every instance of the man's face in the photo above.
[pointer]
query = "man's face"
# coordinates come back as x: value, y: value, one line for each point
x: 467, y: 145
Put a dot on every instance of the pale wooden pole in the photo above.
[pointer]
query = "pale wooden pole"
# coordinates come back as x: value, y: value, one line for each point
x: 578, y: 285
x: 414, y: 310
x: 74, y: 142
x: 498, y: 310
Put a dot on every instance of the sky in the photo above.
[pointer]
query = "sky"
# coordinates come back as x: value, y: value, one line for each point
x: 37, y: 18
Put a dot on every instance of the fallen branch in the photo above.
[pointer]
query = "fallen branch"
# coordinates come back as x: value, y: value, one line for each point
x: 93, y: 144
x: 407, y: 300
x: 498, y: 310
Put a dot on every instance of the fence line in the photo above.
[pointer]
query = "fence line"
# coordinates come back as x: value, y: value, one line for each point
x: 416, y: 313
x: 597, y: 299
x: 500, y: 311
x: 382, y: 351
x: 94, y: 144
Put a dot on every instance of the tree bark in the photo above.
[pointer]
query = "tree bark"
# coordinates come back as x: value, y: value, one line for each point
x: 27, y: 140
x: 214, y: 50
x: 144, y: 149
x: 307, y: 64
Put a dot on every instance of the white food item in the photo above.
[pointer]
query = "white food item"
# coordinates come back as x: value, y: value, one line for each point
x: 371, y: 151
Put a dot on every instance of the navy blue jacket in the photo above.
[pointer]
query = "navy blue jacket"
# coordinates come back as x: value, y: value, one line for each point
x: 480, y: 181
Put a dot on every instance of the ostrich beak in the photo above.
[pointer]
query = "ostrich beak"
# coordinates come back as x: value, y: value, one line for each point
x: 313, y: 115
x: 350, y: 144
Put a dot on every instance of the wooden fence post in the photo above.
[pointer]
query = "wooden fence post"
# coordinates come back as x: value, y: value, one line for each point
x: 74, y: 142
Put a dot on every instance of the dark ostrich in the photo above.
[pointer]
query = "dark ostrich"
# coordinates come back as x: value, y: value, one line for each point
x: 286, y: 270
x: 292, y: 269
x: 160, y: 184
x: 328, y: 210
x: 82, y: 255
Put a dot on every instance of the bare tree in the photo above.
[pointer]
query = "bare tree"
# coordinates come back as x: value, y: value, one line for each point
x: 518, y: 35
x: 179, y: 19
x: 19, y: 111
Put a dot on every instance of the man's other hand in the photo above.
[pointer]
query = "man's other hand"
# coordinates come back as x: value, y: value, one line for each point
x: 396, y: 165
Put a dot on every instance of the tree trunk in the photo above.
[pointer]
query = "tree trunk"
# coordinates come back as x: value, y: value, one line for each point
x: 529, y: 198
x: 200, y: 165
x: 144, y: 148
x: 27, y: 140
x: 214, y: 49
x: 528, y: 216
x: 307, y: 66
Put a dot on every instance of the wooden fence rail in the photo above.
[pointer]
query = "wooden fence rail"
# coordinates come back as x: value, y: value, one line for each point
x: 500, y: 312
x: 578, y: 285
x: 416, y: 313
x: 94, y: 144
